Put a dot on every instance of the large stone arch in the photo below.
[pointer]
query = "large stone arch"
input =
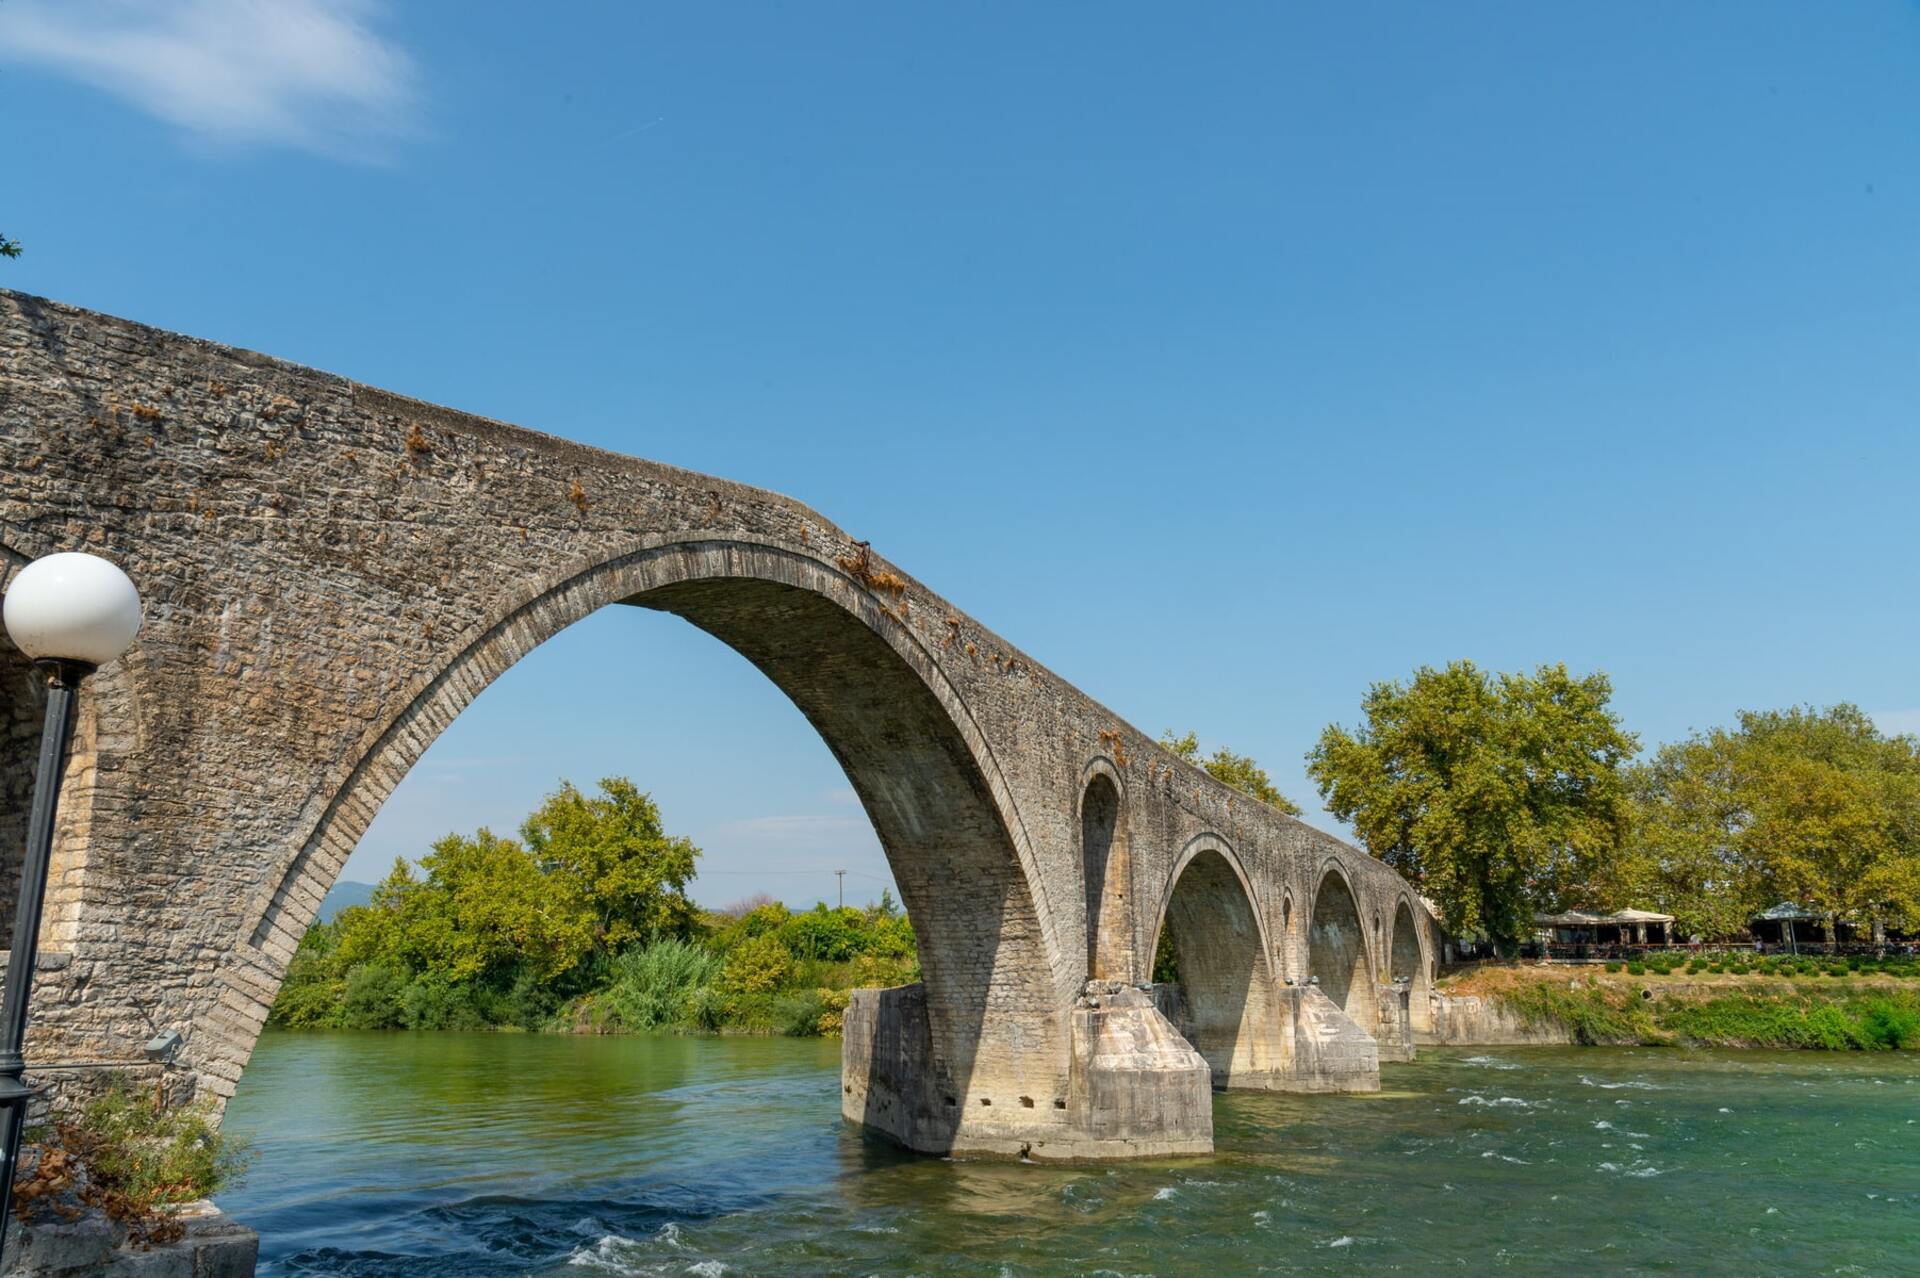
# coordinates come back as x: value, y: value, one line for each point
x: 994, y: 980
x: 1337, y: 954
x: 1211, y: 914
x: 1107, y: 873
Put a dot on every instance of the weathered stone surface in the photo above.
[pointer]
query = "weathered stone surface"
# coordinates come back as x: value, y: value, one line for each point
x: 68, y: 1238
x: 333, y: 572
x: 1471, y: 1020
x: 215, y: 1246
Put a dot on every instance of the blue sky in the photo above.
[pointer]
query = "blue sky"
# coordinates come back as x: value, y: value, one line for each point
x: 1225, y: 359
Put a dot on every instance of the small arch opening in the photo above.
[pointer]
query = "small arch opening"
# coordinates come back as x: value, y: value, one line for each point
x: 1211, y: 956
x: 1406, y: 962
x: 1108, y: 875
x: 1337, y: 948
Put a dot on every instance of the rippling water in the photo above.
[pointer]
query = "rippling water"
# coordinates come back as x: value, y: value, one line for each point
x: 482, y: 1155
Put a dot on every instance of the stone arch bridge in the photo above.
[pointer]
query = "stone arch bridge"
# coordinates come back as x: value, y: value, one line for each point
x: 333, y: 572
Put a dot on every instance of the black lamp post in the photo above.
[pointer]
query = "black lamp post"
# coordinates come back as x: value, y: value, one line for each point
x: 71, y: 613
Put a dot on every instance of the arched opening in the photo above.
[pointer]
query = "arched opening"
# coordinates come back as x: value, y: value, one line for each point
x: 1108, y: 877
x: 1407, y: 964
x: 1284, y: 952
x: 1212, y: 934
x: 1337, y: 949
x: 987, y: 1023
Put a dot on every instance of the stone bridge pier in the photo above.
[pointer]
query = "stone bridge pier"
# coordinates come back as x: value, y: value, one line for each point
x: 333, y: 572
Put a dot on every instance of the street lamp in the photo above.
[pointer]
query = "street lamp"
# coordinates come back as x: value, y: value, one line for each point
x: 71, y: 614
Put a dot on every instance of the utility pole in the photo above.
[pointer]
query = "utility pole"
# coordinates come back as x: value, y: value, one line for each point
x: 842, y: 876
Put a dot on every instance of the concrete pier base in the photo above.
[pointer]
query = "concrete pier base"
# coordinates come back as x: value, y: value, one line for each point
x: 1136, y: 1087
x: 1133, y: 1089
x: 1331, y: 1053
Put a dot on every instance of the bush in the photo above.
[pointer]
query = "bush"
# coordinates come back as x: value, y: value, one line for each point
x: 661, y: 985
x: 798, y: 1014
x: 820, y: 933
x: 1889, y: 1025
x: 527, y: 1002
x: 757, y: 966
x: 371, y: 999
x: 139, y: 1155
x: 1612, y: 966
x: 434, y: 1002
x: 1636, y: 968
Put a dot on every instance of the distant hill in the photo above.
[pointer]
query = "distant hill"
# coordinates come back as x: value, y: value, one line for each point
x: 343, y: 895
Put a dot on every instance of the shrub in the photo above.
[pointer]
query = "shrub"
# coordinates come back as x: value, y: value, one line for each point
x: 1887, y: 1024
x: 140, y: 1155
x: 1637, y: 968
x: 798, y: 1014
x: 306, y: 1003
x: 432, y: 1001
x: 660, y: 985
x: 1612, y: 966
x: 760, y: 965
x: 763, y: 919
x: 527, y: 1001
x: 820, y: 933
x: 371, y: 999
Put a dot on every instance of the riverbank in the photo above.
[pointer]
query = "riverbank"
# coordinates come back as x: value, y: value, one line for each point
x: 1853, y: 1010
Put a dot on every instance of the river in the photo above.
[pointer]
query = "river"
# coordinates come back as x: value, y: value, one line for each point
x: 490, y: 1154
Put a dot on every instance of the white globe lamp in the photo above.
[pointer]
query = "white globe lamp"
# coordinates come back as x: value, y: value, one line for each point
x: 72, y: 607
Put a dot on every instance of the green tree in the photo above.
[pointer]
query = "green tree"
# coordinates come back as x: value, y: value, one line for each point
x: 1818, y: 807
x: 1496, y: 795
x: 484, y: 910
x: 1228, y: 768
x: 611, y: 852
x: 1685, y: 856
x: 9, y: 248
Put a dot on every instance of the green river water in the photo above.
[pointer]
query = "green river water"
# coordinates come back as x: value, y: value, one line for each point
x: 483, y: 1155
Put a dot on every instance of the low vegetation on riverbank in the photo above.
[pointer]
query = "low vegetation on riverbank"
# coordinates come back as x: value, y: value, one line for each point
x: 131, y: 1155
x: 1869, y: 1006
x: 759, y: 969
x: 583, y: 925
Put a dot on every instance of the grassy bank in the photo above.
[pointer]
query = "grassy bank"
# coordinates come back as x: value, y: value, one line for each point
x: 1859, y: 1010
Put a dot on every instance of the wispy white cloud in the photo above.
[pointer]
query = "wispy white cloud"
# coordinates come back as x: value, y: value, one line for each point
x: 1896, y: 722
x: 311, y: 74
